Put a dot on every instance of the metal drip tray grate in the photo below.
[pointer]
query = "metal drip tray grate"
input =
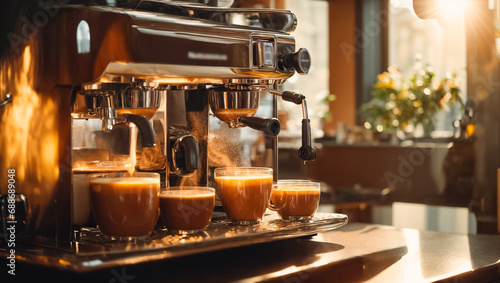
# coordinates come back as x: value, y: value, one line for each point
x: 94, y: 251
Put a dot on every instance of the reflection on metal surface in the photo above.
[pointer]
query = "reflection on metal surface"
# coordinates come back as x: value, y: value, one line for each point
x: 83, y: 37
x: 112, y: 61
x: 94, y: 251
x: 220, y: 230
x: 28, y: 139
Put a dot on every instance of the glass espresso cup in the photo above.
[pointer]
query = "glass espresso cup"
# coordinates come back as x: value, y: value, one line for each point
x: 295, y: 200
x: 125, y: 206
x: 187, y: 209
x: 244, y: 192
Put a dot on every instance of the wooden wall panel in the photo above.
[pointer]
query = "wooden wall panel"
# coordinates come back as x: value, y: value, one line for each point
x: 342, y: 23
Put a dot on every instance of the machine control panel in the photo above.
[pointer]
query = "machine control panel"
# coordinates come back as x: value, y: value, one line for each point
x: 263, y: 54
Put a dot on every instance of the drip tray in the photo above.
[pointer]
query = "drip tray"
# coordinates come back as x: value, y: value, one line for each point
x: 93, y: 251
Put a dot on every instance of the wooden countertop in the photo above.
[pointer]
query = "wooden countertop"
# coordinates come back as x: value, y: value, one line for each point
x: 353, y: 253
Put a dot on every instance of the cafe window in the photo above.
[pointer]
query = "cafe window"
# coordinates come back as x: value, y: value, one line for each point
x: 312, y: 34
x: 413, y: 43
x: 438, y: 43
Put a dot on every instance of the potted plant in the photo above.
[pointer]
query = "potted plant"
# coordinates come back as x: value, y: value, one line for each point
x: 402, y: 103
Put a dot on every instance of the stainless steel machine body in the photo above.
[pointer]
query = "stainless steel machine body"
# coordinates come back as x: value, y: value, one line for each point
x: 111, y: 63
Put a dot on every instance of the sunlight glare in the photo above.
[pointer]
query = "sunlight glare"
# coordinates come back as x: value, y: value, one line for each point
x: 452, y: 8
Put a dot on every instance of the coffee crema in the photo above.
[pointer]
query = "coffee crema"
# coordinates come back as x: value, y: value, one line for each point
x: 295, y: 201
x: 186, y: 209
x: 232, y: 115
x: 146, y: 112
x: 125, y: 206
x: 244, y: 198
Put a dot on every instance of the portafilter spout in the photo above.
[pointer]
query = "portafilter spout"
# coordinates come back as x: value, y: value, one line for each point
x: 237, y: 108
x: 108, y: 114
x: 230, y: 105
x: 115, y: 103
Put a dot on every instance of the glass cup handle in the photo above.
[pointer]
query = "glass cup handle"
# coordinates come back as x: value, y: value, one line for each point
x: 280, y: 202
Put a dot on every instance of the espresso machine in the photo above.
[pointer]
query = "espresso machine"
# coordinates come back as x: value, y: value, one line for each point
x: 129, y: 86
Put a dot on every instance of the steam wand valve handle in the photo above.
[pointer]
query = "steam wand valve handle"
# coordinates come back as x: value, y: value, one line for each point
x: 270, y: 126
x: 148, y: 138
x: 291, y: 96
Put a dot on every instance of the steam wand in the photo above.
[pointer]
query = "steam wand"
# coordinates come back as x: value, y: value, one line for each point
x: 306, y: 151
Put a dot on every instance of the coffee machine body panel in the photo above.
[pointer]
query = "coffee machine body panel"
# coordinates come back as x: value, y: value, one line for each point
x: 35, y: 156
x: 81, y: 62
x: 187, y: 116
x: 109, y: 44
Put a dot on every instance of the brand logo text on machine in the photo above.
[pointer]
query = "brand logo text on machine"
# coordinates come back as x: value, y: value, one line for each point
x: 207, y: 56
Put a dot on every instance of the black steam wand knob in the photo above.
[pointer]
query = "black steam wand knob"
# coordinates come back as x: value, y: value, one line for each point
x: 299, y: 61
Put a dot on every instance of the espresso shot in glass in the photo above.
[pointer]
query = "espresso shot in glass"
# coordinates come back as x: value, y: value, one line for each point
x: 187, y: 209
x: 295, y: 200
x: 125, y: 206
x: 244, y: 192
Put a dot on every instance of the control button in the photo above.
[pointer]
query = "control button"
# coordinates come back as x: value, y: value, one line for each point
x: 264, y: 54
